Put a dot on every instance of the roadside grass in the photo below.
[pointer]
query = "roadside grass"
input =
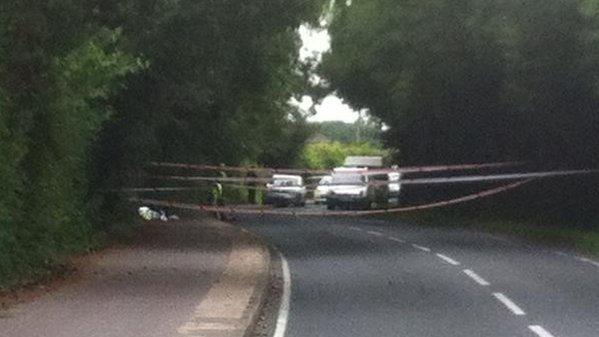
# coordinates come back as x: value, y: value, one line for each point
x: 36, y: 265
x: 533, y: 229
x: 24, y: 267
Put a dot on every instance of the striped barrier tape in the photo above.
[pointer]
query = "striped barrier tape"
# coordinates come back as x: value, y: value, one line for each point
x: 415, y: 181
x: 495, y: 177
x: 270, y: 211
x: 157, y: 189
x: 410, y: 169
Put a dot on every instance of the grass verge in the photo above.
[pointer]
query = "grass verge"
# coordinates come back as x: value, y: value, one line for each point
x: 530, y: 229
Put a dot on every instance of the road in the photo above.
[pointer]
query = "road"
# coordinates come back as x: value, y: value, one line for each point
x: 367, y: 277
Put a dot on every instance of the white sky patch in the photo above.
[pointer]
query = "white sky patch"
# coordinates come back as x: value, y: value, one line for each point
x: 333, y: 108
x: 316, y: 42
x: 304, y: 104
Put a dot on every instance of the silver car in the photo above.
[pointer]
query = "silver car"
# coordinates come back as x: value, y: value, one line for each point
x: 285, y: 190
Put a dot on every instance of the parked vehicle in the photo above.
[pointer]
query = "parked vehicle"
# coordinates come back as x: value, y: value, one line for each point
x: 394, y: 184
x: 358, y: 190
x: 323, y: 188
x: 285, y: 190
x: 363, y: 161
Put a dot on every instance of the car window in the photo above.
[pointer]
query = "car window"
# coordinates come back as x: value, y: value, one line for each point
x: 326, y: 180
x: 348, y: 179
x: 284, y: 183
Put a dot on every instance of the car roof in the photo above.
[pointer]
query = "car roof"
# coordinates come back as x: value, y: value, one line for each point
x: 367, y: 161
x: 350, y: 170
x: 286, y: 176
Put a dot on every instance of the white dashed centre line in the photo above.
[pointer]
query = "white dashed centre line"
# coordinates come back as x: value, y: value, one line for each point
x: 587, y: 260
x: 424, y: 249
x: 476, y: 278
x: 582, y: 259
x: 540, y: 331
x: 448, y: 259
x: 515, y: 309
x: 375, y: 233
x: 354, y: 228
x: 392, y: 238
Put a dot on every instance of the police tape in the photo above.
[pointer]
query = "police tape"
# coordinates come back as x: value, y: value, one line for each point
x: 409, y: 169
x: 415, y: 181
x: 157, y: 189
x: 496, y: 177
x: 244, y: 169
x: 177, y: 189
x: 215, y: 179
x: 270, y: 211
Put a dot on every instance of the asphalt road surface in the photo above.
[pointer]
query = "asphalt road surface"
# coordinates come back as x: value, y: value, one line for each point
x: 367, y: 277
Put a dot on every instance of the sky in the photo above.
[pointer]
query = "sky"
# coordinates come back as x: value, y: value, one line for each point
x: 314, y: 44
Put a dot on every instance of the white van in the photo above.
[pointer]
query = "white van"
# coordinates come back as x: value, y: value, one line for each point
x: 358, y: 189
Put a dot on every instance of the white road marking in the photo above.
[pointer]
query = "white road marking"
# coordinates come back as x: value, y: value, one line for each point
x: 424, y: 249
x: 448, y: 259
x: 354, y: 228
x: 540, y: 331
x: 515, y: 309
x: 561, y: 253
x: 587, y: 260
x: 392, y: 238
x: 284, y: 308
x: 375, y: 233
x: 476, y: 278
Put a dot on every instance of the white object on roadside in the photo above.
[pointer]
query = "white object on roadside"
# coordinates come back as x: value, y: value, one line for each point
x: 148, y: 214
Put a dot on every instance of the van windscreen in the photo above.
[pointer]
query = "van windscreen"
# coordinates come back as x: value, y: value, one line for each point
x: 348, y: 179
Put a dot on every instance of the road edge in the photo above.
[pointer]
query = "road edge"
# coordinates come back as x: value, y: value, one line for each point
x: 232, y: 306
x: 259, y: 295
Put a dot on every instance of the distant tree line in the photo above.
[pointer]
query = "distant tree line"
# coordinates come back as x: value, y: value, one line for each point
x: 332, y: 141
x: 92, y: 90
x: 331, y: 154
x: 478, y: 81
x: 361, y: 131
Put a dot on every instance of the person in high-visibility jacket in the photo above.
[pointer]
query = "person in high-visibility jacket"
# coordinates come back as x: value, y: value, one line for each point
x: 217, y: 194
x: 252, y: 187
x: 217, y: 197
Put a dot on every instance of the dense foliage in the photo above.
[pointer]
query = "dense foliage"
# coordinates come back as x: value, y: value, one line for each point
x: 56, y: 70
x: 361, y: 131
x: 477, y: 81
x: 92, y: 90
x: 327, y: 155
x: 473, y: 80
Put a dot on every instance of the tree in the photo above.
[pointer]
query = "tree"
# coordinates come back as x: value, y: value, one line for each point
x: 476, y: 81
x: 368, y: 131
x: 328, y: 155
x: 56, y: 70
x: 216, y: 90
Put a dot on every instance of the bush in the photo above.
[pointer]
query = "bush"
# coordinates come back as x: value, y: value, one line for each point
x: 326, y: 155
x: 45, y: 135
